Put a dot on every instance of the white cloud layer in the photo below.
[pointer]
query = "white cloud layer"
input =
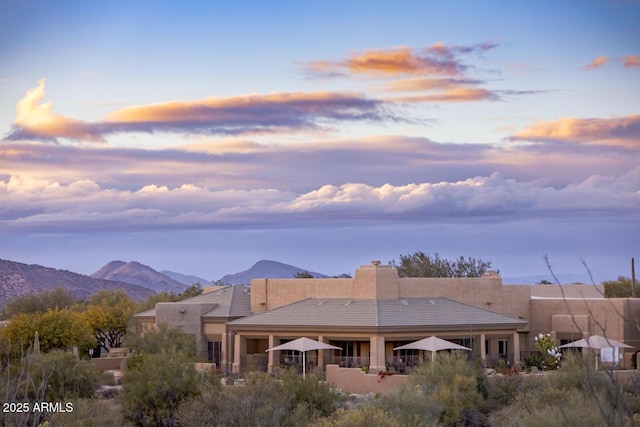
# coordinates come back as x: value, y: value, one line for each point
x: 50, y: 207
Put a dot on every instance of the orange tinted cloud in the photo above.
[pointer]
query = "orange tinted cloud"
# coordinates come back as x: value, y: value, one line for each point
x: 35, y: 119
x: 389, y: 62
x: 624, y: 131
x: 215, y: 115
x: 597, y: 63
x: 631, y: 61
x: 454, y: 94
x: 410, y: 85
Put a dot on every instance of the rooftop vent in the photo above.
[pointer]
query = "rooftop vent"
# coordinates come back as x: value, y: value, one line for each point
x: 348, y: 303
x: 404, y: 302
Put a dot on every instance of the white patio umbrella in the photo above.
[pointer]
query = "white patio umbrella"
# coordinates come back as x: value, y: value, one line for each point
x: 597, y: 342
x: 303, y: 345
x: 432, y: 344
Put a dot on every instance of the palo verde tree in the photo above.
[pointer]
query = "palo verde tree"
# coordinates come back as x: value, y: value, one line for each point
x: 620, y: 288
x: 419, y: 264
x: 109, y: 313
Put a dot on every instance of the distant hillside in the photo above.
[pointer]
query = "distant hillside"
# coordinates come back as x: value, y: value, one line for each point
x: 139, y: 274
x: 17, y: 279
x: 186, y: 279
x: 266, y: 270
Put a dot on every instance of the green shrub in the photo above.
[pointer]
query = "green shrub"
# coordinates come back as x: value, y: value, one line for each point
x: 154, y: 385
x: 364, y: 416
x: 532, y: 360
x: 456, y: 383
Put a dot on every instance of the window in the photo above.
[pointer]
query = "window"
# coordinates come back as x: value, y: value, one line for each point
x: 503, y: 346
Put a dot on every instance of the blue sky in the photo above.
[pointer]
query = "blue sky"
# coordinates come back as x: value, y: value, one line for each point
x: 201, y: 137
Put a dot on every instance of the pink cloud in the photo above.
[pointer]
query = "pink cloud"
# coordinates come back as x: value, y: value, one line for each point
x: 438, y: 59
x: 624, y: 131
x: 215, y: 115
x: 597, y: 63
x: 631, y: 61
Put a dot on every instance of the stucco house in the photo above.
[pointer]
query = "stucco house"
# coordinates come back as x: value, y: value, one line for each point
x: 367, y: 316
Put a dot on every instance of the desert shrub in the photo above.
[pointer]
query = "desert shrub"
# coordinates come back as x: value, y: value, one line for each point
x: 411, y: 408
x: 365, y: 416
x: 66, y: 377
x: 202, y: 410
x: 261, y: 401
x: 312, y: 393
x: 554, y: 407
x: 576, y: 395
x: 456, y: 383
x: 89, y: 413
x: 506, y: 389
x: 154, y: 385
x: 532, y: 360
x: 163, y: 339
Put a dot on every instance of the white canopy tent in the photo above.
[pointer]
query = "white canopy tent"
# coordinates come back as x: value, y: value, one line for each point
x: 432, y: 344
x: 303, y: 345
x: 596, y: 342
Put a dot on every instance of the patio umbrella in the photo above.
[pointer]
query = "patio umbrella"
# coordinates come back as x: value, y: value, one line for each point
x: 303, y: 345
x: 596, y: 342
x: 432, y: 344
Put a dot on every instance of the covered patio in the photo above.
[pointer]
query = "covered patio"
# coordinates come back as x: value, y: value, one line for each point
x: 367, y: 331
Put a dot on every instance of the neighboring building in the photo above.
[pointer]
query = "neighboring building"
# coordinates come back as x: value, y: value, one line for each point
x: 370, y: 314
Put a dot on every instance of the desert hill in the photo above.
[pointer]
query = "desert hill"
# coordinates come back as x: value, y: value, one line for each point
x: 139, y: 274
x: 17, y: 279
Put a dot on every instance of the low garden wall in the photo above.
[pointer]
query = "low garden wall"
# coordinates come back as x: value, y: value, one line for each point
x: 356, y: 381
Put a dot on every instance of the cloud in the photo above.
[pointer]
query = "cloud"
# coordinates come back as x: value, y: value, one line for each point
x: 422, y: 84
x: 81, y: 206
x: 631, y: 61
x: 597, y: 63
x: 453, y: 94
x: 438, y: 59
x: 277, y: 112
x: 623, y: 131
x: 35, y: 120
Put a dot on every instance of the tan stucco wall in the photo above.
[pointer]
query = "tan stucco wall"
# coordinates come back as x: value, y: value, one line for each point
x: 352, y: 380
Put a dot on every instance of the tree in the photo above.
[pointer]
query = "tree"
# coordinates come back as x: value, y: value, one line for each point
x: 108, y: 314
x: 303, y: 275
x: 58, y: 298
x: 420, y: 264
x: 57, y: 329
x: 620, y: 288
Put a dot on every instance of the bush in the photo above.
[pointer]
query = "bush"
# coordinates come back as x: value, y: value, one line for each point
x: 456, y: 383
x: 410, y: 408
x: 89, y: 413
x: 66, y: 377
x: 532, y: 360
x: 154, y: 385
x: 312, y: 393
x: 364, y: 416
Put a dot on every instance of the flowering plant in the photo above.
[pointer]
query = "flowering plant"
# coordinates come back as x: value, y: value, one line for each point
x: 547, y: 346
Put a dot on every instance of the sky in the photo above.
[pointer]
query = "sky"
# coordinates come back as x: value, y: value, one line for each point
x: 203, y: 136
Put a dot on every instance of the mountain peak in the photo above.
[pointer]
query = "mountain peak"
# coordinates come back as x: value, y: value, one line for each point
x: 139, y: 274
x: 266, y: 269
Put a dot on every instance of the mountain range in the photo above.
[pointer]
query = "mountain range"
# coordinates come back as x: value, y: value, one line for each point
x: 139, y: 274
x: 18, y: 279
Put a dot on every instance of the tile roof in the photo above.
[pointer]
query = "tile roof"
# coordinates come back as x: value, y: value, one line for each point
x: 433, y: 313
x: 230, y: 302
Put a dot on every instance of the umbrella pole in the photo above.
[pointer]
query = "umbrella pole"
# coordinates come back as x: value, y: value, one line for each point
x: 304, y: 364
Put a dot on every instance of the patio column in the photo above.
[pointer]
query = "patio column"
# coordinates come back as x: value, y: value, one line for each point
x: 483, y: 348
x: 240, y: 350
x: 321, y: 353
x: 516, y: 349
x: 272, y: 343
x: 226, y: 358
x: 377, y: 356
